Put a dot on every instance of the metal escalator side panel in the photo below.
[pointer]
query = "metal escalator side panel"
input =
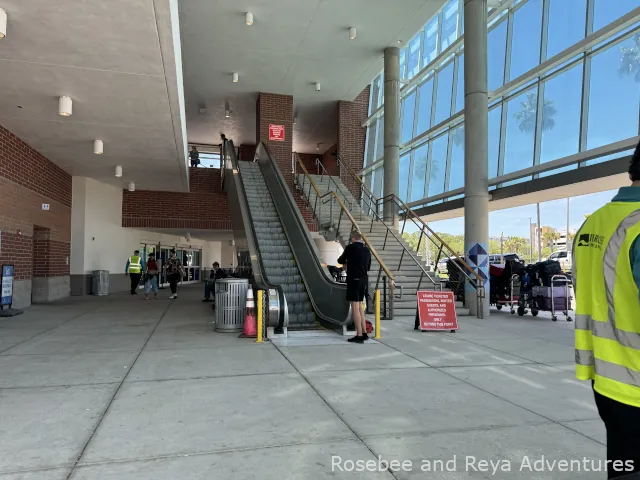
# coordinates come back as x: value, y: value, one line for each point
x: 327, y: 297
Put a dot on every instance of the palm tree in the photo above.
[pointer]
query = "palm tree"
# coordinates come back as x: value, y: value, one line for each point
x: 630, y: 59
x: 526, y: 117
x: 550, y: 238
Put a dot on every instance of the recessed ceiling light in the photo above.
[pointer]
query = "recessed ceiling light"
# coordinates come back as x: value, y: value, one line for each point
x: 202, y: 109
x: 352, y: 33
x: 98, y: 147
x: 3, y: 23
x: 317, y: 86
x: 65, y: 106
x: 132, y: 187
x: 248, y: 18
x: 234, y: 77
x: 118, y: 171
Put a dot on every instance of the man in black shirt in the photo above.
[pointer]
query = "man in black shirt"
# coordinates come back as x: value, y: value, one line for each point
x: 357, y: 259
x: 216, y: 273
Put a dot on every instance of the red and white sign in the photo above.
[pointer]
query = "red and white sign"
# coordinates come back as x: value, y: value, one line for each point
x: 437, y: 310
x: 276, y: 133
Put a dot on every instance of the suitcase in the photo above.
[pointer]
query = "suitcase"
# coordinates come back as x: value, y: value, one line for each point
x: 560, y: 304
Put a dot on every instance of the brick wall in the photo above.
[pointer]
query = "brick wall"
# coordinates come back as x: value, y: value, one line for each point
x: 352, y: 136
x: 277, y: 109
x: 205, y: 207
x: 329, y: 161
x: 27, y: 180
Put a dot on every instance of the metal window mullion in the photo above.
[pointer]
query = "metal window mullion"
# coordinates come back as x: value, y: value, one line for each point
x: 427, y: 170
x: 503, y: 137
x: 508, y: 49
x: 447, y: 167
x: 538, y: 132
x: 434, y: 99
x: 544, y: 38
x: 410, y: 179
x: 454, y: 92
x: 416, y: 113
x: 586, y: 100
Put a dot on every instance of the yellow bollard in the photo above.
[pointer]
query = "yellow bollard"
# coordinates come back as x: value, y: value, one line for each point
x: 259, y: 321
x: 377, y: 314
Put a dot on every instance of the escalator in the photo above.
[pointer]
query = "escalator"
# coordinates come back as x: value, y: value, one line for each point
x: 284, y: 256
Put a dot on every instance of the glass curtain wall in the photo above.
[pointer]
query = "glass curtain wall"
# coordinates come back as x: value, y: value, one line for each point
x: 591, y: 100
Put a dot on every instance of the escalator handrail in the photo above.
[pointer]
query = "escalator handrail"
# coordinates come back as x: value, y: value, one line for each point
x: 349, y: 216
x: 261, y: 280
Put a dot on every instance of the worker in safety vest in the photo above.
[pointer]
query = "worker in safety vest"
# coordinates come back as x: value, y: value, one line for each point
x: 606, y: 272
x: 134, y: 268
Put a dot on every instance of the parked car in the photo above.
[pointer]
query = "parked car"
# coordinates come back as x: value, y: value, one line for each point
x: 564, y: 258
x: 441, y: 268
x: 495, y: 259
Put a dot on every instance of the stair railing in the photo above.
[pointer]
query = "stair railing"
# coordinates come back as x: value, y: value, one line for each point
x: 465, y: 274
x: 332, y: 184
x: 384, y: 277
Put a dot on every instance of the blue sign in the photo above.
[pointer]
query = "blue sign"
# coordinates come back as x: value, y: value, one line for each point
x: 6, y: 292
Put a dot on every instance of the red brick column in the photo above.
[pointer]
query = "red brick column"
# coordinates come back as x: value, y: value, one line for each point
x: 352, y: 136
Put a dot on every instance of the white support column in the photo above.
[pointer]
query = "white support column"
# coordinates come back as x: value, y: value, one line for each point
x: 391, y: 130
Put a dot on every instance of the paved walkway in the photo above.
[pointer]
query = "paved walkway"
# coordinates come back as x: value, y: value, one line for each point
x: 118, y: 388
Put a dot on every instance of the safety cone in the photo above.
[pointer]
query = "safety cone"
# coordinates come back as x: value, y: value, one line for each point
x: 250, y: 329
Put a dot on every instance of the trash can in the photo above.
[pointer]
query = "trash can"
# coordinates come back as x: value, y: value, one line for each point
x: 231, y: 299
x: 100, y: 283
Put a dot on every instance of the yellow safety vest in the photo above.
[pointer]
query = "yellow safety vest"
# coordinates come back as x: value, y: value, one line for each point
x: 134, y: 264
x: 607, y: 303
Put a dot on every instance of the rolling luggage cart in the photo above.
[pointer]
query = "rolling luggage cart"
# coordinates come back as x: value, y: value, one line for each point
x: 561, y: 299
x: 515, y: 293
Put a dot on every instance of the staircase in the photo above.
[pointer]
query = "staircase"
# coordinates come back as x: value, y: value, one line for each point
x: 277, y: 259
x: 407, y: 273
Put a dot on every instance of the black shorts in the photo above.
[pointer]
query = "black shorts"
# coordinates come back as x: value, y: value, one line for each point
x: 356, y: 289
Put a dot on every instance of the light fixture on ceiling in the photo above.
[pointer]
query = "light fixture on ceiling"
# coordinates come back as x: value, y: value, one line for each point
x: 118, y: 171
x: 318, y: 146
x: 3, y: 23
x: 399, y: 41
x: 132, y: 187
x: 227, y: 113
x: 352, y: 33
x: 234, y: 77
x: 202, y: 109
x: 98, y: 147
x: 248, y: 18
x: 65, y: 106
x: 295, y: 118
x: 317, y: 86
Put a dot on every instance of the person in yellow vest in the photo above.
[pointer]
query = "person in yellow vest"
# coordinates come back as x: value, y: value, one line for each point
x: 134, y: 268
x: 606, y: 275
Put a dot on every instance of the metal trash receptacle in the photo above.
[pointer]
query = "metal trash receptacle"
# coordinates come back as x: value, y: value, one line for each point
x: 100, y: 282
x: 231, y: 299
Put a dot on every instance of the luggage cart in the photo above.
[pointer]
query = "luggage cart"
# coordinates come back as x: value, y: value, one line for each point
x: 515, y: 293
x: 566, y: 283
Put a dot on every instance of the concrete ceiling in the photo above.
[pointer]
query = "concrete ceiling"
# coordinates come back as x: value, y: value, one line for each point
x: 116, y: 60
x: 291, y: 45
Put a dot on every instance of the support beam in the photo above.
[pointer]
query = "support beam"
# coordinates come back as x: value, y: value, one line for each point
x: 391, y: 130
x: 476, y: 202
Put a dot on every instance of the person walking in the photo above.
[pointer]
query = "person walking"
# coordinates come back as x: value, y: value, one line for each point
x: 134, y: 268
x: 194, y: 156
x: 216, y: 273
x: 357, y: 258
x: 606, y: 276
x: 175, y: 272
x: 151, y: 277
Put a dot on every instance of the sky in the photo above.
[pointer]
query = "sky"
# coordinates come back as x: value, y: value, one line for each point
x: 515, y: 221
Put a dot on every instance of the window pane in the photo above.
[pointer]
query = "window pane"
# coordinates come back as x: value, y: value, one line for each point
x: 405, y: 161
x: 438, y: 165
x: 449, y: 23
x: 430, y: 41
x: 408, y: 108
x: 378, y: 182
x: 460, y: 85
x: 380, y: 139
x: 613, y: 98
x: 607, y: 11
x: 424, y: 108
x: 371, y: 142
x: 367, y: 180
x: 527, y: 28
x: 414, y: 56
x: 419, y: 172
x: 497, y: 52
x: 445, y: 90
x: 456, y: 174
x: 567, y: 20
x: 403, y: 63
x: 375, y: 93
x: 561, y: 115
x: 495, y: 117
x: 521, y: 126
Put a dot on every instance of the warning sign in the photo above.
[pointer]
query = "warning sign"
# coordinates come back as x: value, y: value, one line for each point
x: 437, y: 310
x: 276, y: 133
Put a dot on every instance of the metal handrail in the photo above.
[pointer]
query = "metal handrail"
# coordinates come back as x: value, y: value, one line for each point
x: 319, y: 166
x: 374, y: 204
x: 344, y: 209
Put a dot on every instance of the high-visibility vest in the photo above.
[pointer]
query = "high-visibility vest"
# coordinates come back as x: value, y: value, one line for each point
x: 134, y: 264
x: 607, y: 302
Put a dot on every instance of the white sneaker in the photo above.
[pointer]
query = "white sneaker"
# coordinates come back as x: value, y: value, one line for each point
x: 173, y: 296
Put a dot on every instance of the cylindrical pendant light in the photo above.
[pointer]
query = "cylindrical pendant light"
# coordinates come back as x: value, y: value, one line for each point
x: 234, y: 77
x: 248, y: 18
x: 317, y: 86
x: 3, y: 23
x: 118, y: 171
x: 132, y: 187
x: 65, y: 106
x: 352, y: 33
x: 98, y: 147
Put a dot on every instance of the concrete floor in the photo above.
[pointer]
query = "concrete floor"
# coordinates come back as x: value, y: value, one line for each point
x: 119, y: 388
